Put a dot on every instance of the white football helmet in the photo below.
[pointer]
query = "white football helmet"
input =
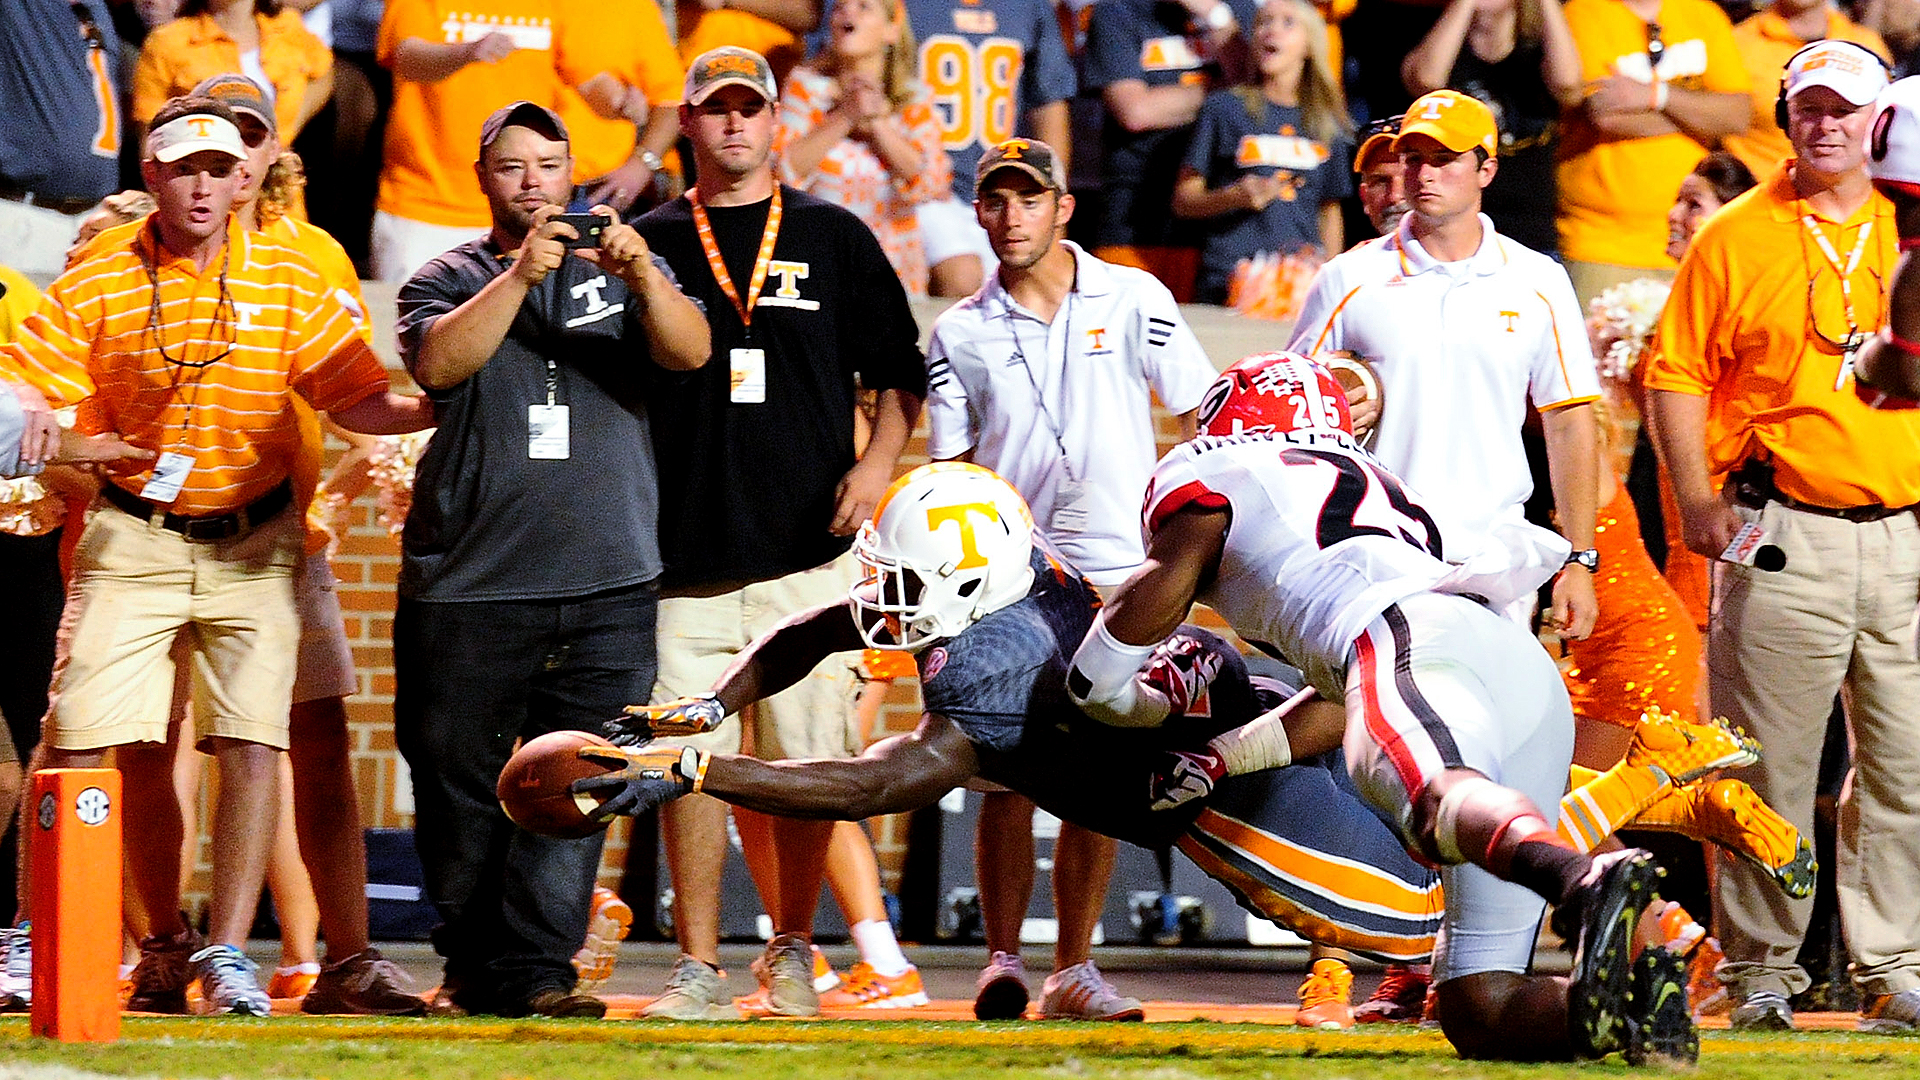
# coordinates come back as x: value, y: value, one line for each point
x: 1893, y: 139
x: 948, y: 544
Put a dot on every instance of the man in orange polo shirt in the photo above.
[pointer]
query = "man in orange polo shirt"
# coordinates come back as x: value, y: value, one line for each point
x: 1767, y: 40
x: 189, y: 335
x: 1752, y: 394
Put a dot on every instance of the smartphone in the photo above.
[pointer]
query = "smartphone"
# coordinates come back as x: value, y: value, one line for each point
x: 589, y: 226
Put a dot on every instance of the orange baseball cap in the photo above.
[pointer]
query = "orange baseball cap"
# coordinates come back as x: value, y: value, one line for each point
x: 1454, y: 120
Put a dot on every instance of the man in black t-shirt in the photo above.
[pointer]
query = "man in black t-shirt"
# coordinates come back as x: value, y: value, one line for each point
x: 761, y: 490
x: 529, y: 561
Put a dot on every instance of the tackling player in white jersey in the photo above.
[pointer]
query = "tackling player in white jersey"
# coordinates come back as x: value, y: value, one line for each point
x: 1458, y: 725
x: 1887, y: 371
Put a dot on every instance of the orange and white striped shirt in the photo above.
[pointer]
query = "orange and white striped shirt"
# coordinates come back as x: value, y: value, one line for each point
x: 211, y: 376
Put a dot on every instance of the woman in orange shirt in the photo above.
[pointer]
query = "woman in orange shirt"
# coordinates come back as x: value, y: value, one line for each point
x: 258, y: 38
x: 856, y: 129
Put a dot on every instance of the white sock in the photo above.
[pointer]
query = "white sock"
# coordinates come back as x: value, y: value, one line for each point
x: 310, y: 967
x: 879, y: 948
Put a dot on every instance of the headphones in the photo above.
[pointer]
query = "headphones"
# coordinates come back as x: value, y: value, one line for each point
x: 1780, y: 103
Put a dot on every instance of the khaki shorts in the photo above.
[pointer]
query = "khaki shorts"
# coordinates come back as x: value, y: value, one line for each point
x: 700, y: 636
x: 325, y: 665
x: 134, y: 587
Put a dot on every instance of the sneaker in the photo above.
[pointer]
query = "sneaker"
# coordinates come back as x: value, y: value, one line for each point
x: 785, y: 971
x: 1730, y: 814
x: 865, y: 988
x: 229, y: 982
x: 1599, y: 920
x: 364, y: 984
x: 695, y: 991
x: 561, y: 1004
x: 1660, y: 1028
x: 1401, y: 997
x: 293, y: 982
x: 1891, y: 1014
x: 16, y: 969
x: 1326, y: 996
x: 1763, y: 1010
x: 1002, y: 989
x: 608, y: 921
x: 824, y: 977
x: 160, y: 978
x: 1082, y: 993
x: 1685, y: 750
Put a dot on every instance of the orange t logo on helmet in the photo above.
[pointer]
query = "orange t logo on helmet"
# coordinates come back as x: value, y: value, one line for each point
x: 970, y: 556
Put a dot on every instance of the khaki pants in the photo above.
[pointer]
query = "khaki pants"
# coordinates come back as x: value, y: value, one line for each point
x: 1838, y: 619
x: 135, y: 586
x: 701, y: 635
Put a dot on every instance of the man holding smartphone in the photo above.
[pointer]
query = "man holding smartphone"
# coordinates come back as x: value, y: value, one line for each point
x: 528, y: 563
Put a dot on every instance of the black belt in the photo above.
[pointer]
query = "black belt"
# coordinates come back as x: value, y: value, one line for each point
x: 208, y: 528
x: 59, y: 204
x: 1752, y: 485
x: 1856, y: 514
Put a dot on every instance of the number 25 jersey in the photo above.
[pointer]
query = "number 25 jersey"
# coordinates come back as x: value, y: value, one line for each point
x: 1323, y: 539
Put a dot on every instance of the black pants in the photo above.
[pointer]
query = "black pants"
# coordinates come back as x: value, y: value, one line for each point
x: 30, y: 571
x: 472, y: 680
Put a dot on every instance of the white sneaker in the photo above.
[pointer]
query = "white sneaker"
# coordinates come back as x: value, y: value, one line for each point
x: 1082, y: 993
x: 16, y: 969
x: 1002, y: 989
x: 229, y: 982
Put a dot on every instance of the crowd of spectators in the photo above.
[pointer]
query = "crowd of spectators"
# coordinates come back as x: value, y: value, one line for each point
x: 793, y: 174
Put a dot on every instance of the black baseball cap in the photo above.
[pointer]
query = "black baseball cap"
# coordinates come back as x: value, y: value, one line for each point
x: 524, y: 114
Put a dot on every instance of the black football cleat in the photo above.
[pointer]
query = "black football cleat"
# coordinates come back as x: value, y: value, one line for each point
x: 1660, y: 1029
x: 1599, y: 920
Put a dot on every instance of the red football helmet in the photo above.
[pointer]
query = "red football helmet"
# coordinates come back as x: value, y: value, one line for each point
x: 1271, y: 392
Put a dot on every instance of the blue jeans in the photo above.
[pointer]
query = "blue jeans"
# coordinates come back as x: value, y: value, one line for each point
x: 472, y: 681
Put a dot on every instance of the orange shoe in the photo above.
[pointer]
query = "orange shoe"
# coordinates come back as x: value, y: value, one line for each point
x: 1326, y: 997
x: 608, y: 921
x: 1686, y: 751
x: 865, y: 988
x: 1728, y: 813
x: 1705, y: 992
x: 292, y: 982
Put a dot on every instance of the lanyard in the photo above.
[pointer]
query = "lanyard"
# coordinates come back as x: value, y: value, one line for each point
x: 1845, y: 270
x: 760, y: 263
x: 1046, y: 351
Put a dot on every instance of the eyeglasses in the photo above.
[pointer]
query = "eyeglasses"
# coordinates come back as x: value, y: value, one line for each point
x: 1656, y: 48
x: 1854, y: 337
x: 223, y: 318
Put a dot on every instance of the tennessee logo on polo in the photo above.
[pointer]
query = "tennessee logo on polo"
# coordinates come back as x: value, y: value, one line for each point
x: 598, y: 307
x: 1171, y: 53
x: 787, y: 293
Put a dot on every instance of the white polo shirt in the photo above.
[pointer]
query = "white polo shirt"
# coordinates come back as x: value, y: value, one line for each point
x: 1062, y: 410
x: 1461, y: 348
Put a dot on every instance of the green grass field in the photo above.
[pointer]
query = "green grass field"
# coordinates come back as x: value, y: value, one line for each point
x: 893, y: 1050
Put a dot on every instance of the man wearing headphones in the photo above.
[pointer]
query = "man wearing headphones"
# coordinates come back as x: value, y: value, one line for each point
x: 1755, y: 414
x: 1766, y: 41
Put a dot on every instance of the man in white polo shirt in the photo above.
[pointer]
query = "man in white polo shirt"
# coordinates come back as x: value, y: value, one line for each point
x: 1466, y: 327
x: 1047, y: 376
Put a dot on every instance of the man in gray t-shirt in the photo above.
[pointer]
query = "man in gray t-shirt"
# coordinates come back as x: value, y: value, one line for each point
x: 529, y: 559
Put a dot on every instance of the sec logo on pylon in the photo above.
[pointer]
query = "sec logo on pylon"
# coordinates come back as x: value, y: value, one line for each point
x: 91, y: 806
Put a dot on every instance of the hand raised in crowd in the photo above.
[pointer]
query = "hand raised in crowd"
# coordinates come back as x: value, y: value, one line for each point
x: 621, y: 250
x: 540, y: 253
x: 491, y: 49
x: 862, y: 102
x: 1618, y: 94
x: 856, y: 496
x: 1261, y: 190
x: 619, y: 188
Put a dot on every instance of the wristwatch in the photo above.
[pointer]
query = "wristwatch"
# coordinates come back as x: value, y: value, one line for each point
x: 1219, y: 17
x: 1589, y: 558
x: 650, y: 159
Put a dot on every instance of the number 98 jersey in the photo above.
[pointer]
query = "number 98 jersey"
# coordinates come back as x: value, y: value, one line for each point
x: 984, y: 62
x: 1323, y: 539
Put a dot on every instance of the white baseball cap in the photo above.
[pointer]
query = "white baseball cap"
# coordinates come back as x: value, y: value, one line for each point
x: 193, y: 132
x: 1850, y: 70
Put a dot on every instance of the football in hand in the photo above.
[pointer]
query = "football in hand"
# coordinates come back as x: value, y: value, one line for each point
x: 533, y: 788
x: 1355, y: 374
